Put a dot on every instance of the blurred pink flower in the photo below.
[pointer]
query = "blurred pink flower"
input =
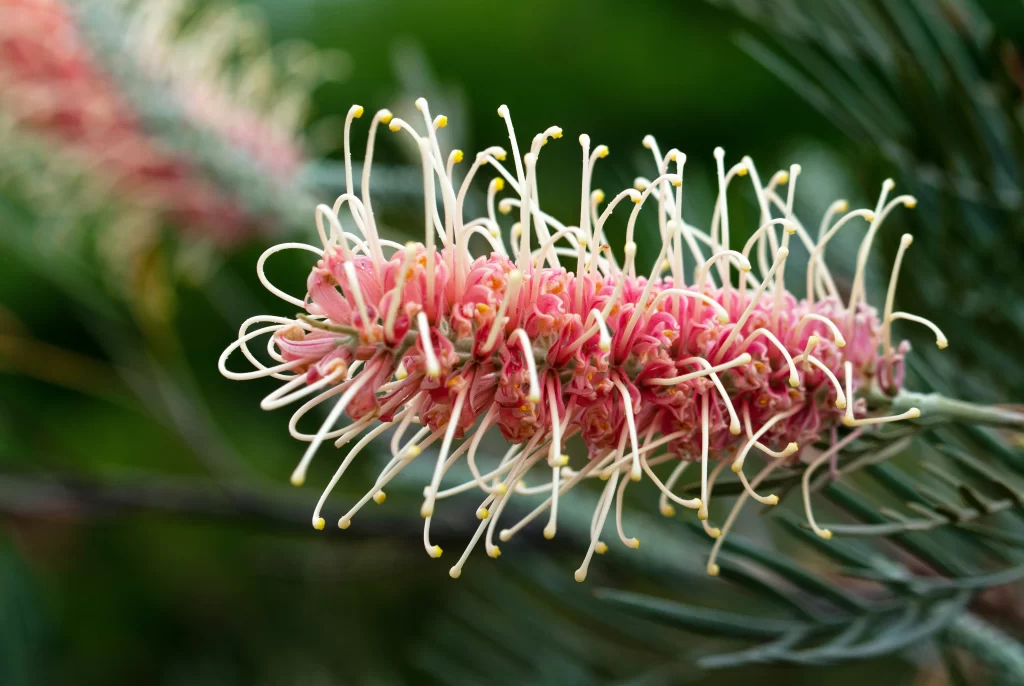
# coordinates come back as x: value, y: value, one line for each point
x: 54, y: 86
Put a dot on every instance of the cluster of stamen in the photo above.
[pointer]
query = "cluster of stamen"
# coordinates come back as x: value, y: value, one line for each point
x: 554, y: 338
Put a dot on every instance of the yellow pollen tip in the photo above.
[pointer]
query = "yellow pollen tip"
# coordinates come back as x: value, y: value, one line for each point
x: 826, y: 534
x: 412, y: 451
x: 913, y: 413
x: 784, y: 178
x: 499, y: 184
x: 426, y: 510
x: 794, y: 381
x: 500, y: 156
x: 734, y: 428
x: 742, y: 171
x: 869, y: 216
x: 298, y: 479
x: 841, y: 403
x: 442, y: 121
x: 494, y: 552
x: 634, y: 543
x: 344, y: 523
x: 549, y: 532
x: 436, y: 551
x: 713, y: 569
x: 457, y: 156
x: 601, y: 548
x: 668, y: 511
x: 502, y: 489
x: 792, y: 447
x: 385, y: 116
x: 702, y: 513
x: 737, y: 467
x: 942, y: 343
x: 394, y: 125
x: 602, y: 151
x: 849, y: 421
x: 483, y: 513
x: 357, y: 111
x: 772, y: 499
x: 580, y: 575
x: 840, y: 342
x: 319, y: 523
x: 379, y: 497
x: 598, y: 196
x: 715, y: 532
x: 910, y: 203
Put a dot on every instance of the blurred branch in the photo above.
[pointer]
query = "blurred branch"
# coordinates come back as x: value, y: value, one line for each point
x: 63, y: 497
x: 60, y: 367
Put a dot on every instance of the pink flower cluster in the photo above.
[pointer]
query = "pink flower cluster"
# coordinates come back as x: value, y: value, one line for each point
x: 648, y: 344
x: 646, y: 370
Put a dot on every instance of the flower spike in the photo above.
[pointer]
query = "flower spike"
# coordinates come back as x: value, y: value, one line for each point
x: 645, y: 370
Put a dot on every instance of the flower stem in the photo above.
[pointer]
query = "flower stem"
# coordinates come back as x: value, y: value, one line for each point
x: 934, y: 406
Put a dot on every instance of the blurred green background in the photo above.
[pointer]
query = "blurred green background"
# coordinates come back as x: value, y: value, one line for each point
x: 148, y: 536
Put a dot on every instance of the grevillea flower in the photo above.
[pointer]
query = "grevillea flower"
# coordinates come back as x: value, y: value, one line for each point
x: 699, y: 361
x: 57, y: 86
